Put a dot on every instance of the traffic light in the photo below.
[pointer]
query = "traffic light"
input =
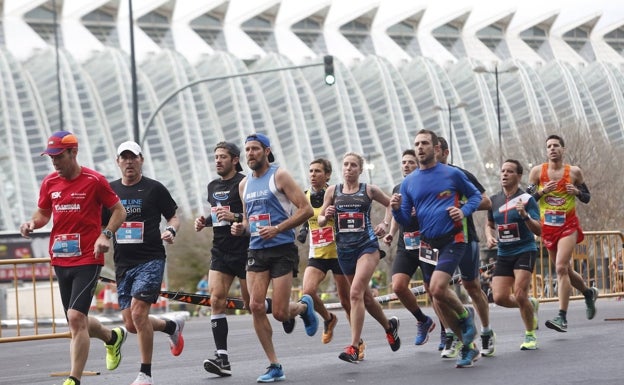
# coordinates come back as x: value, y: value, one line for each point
x: 330, y: 79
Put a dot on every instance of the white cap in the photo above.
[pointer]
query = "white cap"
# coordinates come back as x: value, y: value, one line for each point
x: 129, y: 146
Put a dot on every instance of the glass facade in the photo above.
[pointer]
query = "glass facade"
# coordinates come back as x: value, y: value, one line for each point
x: 375, y: 107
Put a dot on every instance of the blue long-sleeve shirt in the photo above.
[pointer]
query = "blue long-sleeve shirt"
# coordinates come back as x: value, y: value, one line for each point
x: 431, y: 192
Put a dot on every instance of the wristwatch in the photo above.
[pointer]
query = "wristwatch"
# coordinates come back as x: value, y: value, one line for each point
x: 107, y: 233
x: 171, y: 230
x: 238, y: 217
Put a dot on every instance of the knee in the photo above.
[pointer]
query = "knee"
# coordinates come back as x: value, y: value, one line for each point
x: 281, y: 315
x: 259, y: 308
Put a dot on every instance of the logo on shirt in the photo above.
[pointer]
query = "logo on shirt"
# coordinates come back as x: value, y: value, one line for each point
x: 221, y: 195
x: 444, y: 194
x: 56, y: 195
x: 555, y: 201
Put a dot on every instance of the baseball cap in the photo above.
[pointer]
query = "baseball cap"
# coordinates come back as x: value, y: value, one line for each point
x: 233, y: 150
x: 59, y: 142
x: 264, y: 140
x: 131, y: 146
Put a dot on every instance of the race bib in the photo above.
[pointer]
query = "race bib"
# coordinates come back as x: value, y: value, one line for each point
x: 508, y: 232
x: 215, y: 220
x: 256, y: 221
x: 322, y: 237
x: 412, y: 240
x: 350, y: 222
x: 428, y: 254
x: 66, y: 245
x: 130, y: 232
x: 554, y: 217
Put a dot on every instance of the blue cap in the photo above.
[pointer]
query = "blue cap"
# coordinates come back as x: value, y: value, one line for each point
x: 264, y: 140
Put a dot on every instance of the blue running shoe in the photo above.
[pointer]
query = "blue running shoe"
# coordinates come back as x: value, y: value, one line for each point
x: 468, y: 329
x: 309, y: 317
x: 274, y: 373
x: 442, y: 344
x: 424, y: 328
x: 469, y: 354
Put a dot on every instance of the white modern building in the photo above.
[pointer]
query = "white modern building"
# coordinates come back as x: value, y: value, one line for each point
x: 400, y: 66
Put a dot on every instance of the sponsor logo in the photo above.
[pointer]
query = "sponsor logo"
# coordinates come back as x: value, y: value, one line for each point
x: 56, y: 195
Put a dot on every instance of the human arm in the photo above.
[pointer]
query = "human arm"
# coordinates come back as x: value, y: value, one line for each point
x: 117, y: 217
x: 490, y: 231
x: 241, y: 228
x: 328, y: 209
x: 171, y: 230
x: 40, y: 218
x: 304, y: 211
x: 531, y: 219
x: 381, y: 197
x: 578, y: 188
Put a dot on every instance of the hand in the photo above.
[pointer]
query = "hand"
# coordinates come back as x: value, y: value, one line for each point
x: 224, y: 214
x: 200, y: 223
x: 455, y: 213
x: 550, y: 186
x: 395, y: 201
x: 388, y: 239
x: 167, y: 236
x: 572, y: 189
x: 330, y: 211
x: 520, y: 209
x: 237, y: 229
x: 380, y: 229
x: 102, y: 245
x: 26, y: 228
x: 491, y: 242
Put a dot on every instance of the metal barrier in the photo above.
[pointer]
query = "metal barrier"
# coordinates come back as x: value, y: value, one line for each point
x: 598, y: 259
x: 44, y: 295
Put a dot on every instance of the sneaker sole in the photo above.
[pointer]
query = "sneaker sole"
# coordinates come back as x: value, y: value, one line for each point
x: 215, y: 369
x: 312, y: 328
x: 527, y: 348
x: 349, y: 360
x: 555, y: 327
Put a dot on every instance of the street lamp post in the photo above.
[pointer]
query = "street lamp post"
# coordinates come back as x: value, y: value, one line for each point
x: 162, y: 104
x: 450, y: 108
x: 496, y: 72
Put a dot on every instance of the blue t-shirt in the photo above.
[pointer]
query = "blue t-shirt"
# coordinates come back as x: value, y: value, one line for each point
x: 431, y: 192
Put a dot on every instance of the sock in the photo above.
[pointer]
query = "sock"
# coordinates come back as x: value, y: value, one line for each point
x: 562, y: 314
x: 77, y: 381
x: 113, y: 339
x: 420, y: 316
x: 530, y: 333
x: 147, y: 369
x: 219, y: 330
x: 170, y: 327
x: 463, y: 315
x: 442, y: 328
x: 485, y: 329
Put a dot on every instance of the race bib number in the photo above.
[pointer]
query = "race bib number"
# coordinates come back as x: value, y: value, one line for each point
x: 256, y: 221
x: 130, y: 232
x: 215, y: 220
x: 428, y: 254
x: 554, y: 217
x: 508, y: 233
x: 412, y: 240
x: 350, y: 222
x: 322, y: 237
x: 66, y: 245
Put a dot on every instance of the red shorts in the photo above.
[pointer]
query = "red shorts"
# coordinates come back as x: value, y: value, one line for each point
x: 552, y: 234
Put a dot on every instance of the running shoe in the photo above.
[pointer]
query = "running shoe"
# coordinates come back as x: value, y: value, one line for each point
x: 469, y: 354
x: 113, y: 352
x: 530, y: 342
x: 176, y: 340
x: 488, y: 343
x: 328, y: 330
x: 424, y: 328
x: 218, y: 365
x: 274, y: 373
x: 442, y: 343
x: 558, y: 323
x: 361, y: 348
x: 350, y: 354
x: 535, y: 303
x: 143, y: 379
x: 392, y: 334
x: 289, y: 325
x: 69, y: 381
x: 452, y: 346
x: 468, y: 329
x: 309, y: 317
x: 590, y: 302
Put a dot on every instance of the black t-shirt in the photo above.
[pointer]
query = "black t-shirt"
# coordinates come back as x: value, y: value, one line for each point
x: 413, y: 226
x: 145, y: 203
x: 225, y: 193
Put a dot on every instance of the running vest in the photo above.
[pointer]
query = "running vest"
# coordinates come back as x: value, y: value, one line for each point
x: 322, y: 239
x: 266, y: 206
x: 353, y: 225
x: 557, y: 207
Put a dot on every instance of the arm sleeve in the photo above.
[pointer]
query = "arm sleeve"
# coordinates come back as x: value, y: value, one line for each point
x: 584, y: 195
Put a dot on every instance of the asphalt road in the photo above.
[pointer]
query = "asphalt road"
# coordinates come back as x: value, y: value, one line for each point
x: 591, y: 351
